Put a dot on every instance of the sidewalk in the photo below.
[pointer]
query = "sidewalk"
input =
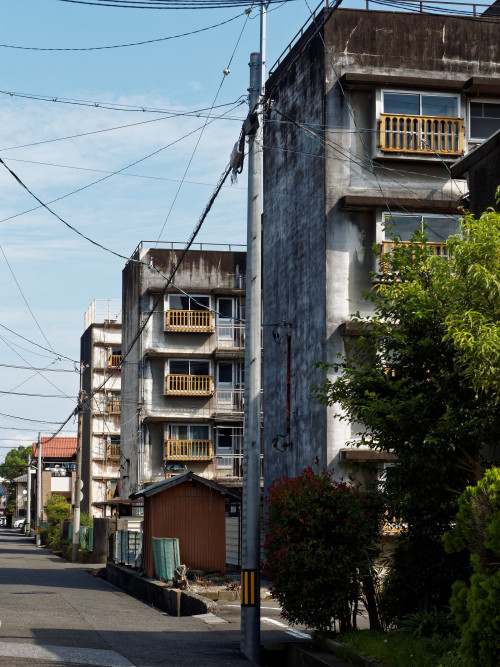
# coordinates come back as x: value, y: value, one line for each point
x: 56, y: 613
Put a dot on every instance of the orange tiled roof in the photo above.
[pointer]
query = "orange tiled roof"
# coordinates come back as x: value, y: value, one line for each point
x: 60, y: 448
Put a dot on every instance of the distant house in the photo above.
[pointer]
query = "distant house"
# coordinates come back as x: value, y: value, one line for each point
x: 58, y: 471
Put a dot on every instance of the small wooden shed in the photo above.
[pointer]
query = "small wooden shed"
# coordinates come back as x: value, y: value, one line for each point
x: 193, y: 509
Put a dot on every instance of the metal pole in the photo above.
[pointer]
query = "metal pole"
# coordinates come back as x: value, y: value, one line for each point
x: 250, y: 595
x: 78, y: 479
x: 39, y: 493
x: 28, y: 498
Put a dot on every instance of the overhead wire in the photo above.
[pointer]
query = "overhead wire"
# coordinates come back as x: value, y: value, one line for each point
x: 225, y: 74
x: 108, y: 106
x: 167, y: 4
x: 99, y: 180
x: 122, y: 46
x: 59, y: 356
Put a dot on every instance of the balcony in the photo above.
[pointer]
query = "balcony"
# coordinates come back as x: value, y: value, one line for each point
x: 189, y: 450
x: 230, y: 336
x: 115, y: 360
x: 422, y: 135
x: 231, y: 466
x: 229, y: 400
x: 189, y: 321
x: 113, y: 452
x: 438, y: 248
x: 189, y: 385
x: 114, y: 406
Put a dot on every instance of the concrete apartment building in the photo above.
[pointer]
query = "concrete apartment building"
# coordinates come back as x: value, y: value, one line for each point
x: 367, y: 111
x: 183, y: 366
x: 100, y: 354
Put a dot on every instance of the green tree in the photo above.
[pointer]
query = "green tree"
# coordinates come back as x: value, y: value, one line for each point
x: 473, y: 320
x: 402, y: 380
x: 14, y: 465
x: 476, y: 603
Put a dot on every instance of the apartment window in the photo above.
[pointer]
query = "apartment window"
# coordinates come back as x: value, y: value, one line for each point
x: 183, y: 302
x: 484, y: 119
x: 437, y: 227
x: 420, y: 104
x: 188, y: 432
x: 189, y: 367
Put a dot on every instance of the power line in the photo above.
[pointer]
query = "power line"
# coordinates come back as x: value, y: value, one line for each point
x: 121, y: 46
x: 106, y: 106
x: 18, y: 393
x: 31, y: 368
x: 35, y: 421
x: 60, y: 356
x: 225, y: 73
x: 168, y: 4
x: 99, y: 180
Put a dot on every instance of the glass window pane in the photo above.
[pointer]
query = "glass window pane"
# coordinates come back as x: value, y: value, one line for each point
x: 224, y: 438
x: 482, y: 128
x: 178, y: 432
x: 402, y: 103
x: 199, y: 367
x: 439, y: 105
x: 402, y: 226
x: 178, y: 302
x: 198, y: 432
x: 178, y: 366
x: 203, y: 303
x: 225, y: 308
x: 439, y: 229
x: 225, y: 372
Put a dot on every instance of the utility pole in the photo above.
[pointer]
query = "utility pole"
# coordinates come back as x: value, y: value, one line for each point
x: 39, y: 493
x: 28, y: 498
x: 250, y: 571
x: 78, y: 480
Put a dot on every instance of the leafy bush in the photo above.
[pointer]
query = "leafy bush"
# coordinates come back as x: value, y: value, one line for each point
x: 56, y: 510
x: 321, y: 542
x: 428, y: 623
x: 476, y: 604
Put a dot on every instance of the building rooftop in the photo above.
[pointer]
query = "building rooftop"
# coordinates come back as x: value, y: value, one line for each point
x: 56, y: 448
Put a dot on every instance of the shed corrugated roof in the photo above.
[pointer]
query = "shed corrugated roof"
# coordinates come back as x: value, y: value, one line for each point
x: 56, y: 448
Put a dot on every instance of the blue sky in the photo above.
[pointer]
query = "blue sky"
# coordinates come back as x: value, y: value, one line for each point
x: 49, y: 275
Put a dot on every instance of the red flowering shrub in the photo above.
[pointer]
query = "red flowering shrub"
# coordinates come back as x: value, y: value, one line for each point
x: 321, y: 541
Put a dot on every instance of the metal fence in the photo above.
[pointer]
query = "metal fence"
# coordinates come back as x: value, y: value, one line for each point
x: 127, y: 547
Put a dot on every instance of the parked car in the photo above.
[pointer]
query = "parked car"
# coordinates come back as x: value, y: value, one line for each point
x: 18, y: 523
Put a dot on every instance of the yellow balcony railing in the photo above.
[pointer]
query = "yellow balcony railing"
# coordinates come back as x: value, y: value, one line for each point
x: 189, y: 385
x: 438, y: 248
x: 115, y: 360
x: 114, y: 406
x: 189, y: 450
x: 426, y: 135
x: 114, y: 452
x: 110, y: 494
x: 193, y: 321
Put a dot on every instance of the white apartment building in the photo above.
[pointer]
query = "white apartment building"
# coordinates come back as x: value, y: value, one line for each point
x: 100, y: 355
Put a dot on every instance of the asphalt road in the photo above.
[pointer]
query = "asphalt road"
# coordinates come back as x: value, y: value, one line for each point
x: 56, y: 613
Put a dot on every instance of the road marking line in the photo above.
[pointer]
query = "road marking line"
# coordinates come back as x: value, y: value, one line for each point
x: 265, y: 619
x: 299, y: 634
x: 72, y: 654
x: 210, y: 618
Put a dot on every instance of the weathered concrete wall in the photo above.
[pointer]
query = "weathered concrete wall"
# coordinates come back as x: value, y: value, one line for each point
x: 209, y: 272
x: 294, y: 269
x: 322, y: 145
x: 170, y: 600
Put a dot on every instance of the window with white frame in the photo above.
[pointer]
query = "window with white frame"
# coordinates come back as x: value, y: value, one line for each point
x: 184, y: 302
x: 188, y: 367
x: 420, y: 104
x: 484, y: 118
x: 188, y: 432
x: 403, y: 225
